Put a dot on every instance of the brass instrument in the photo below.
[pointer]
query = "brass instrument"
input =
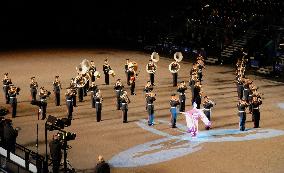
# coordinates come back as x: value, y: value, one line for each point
x: 178, y: 56
x: 80, y: 81
x: 112, y: 73
x: 133, y: 65
x: 155, y: 57
x: 174, y: 67
x: 125, y: 97
x: 44, y: 92
x: 14, y: 90
x: 97, y: 74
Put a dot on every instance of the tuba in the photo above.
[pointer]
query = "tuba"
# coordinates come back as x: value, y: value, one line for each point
x: 133, y: 65
x: 155, y: 57
x: 174, y: 66
x: 178, y: 56
x: 83, y: 67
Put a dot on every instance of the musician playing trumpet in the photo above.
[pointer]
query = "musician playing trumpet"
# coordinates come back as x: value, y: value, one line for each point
x: 69, y: 102
x: 56, y: 90
x: 94, y: 89
x: 132, y: 79
x: 124, y: 99
x: 106, y: 69
x: 13, y: 92
x: 74, y: 91
x: 126, y: 70
x: 174, y: 102
x: 150, y: 107
x: 242, y: 113
x: 256, y: 102
x: 92, y: 71
x: 43, y: 94
x: 80, y: 83
x: 6, y: 85
x: 118, y: 90
x: 181, y: 89
x: 33, y: 88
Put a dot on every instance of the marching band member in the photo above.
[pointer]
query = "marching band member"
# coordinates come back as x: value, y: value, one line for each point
x: 80, y: 85
x: 6, y: 85
x: 200, y: 66
x: 132, y: 74
x: 94, y: 89
x: 124, y: 99
x: 118, y: 86
x: 173, y: 67
x: 174, y: 103
x: 181, y: 89
x: 98, y: 99
x: 197, y: 94
x: 106, y: 69
x: 240, y: 87
x: 33, y: 87
x: 192, y: 83
x: 147, y: 89
x: 74, y: 91
x: 207, y: 105
x: 43, y: 94
x: 150, y: 107
x: 242, y: 113
x: 256, y: 102
x: 92, y: 71
x: 151, y: 67
x: 69, y: 103
x: 56, y: 90
x: 13, y: 92
x: 126, y: 71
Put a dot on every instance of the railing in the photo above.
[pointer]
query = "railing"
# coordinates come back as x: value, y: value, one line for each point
x: 23, y: 160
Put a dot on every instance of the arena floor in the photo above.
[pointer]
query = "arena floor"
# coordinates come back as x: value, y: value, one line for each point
x: 110, y: 137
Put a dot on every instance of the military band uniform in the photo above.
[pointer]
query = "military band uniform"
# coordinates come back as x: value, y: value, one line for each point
x: 242, y: 115
x: 33, y: 88
x: 173, y: 110
x: 118, y: 90
x: 150, y: 109
x: 207, y: 109
x: 93, y: 69
x: 182, y: 98
x: 246, y: 92
x: 192, y: 84
x: 240, y: 89
x: 197, y: 97
x: 106, y: 69
x: 69, y: 104
x: 13, y: 103
x: 93, y: 89
x: 199, y: 72
x: 43, y: 106
x: 127, y: 73
x: 81, y: 93
x: 175, y: 76
x: 98, y: 108
x: 124, y: 108
x: 6, y: 86
x: 256, y: 113
x: 132, y: 81
x: 147, y: 89
x: 56, y: 89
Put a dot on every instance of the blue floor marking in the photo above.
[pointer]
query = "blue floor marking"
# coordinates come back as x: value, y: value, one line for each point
x: 281, y: 105
x: 171, y: 147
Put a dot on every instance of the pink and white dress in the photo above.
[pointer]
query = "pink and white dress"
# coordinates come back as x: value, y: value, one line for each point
x: 192, y: 118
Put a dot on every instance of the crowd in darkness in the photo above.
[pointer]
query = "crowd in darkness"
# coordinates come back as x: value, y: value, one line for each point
x: 126, y: 21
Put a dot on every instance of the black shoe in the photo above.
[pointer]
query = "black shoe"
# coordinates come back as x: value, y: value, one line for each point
x: 174, y: 126
x: 125, y: 121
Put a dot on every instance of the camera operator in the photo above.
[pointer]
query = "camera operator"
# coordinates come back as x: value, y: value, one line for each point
x: 10, y: 135
x: 55, y: 153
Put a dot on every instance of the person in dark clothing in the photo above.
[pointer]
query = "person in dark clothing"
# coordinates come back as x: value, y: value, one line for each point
x: 92, y: 70
x: 118, y: 89
x: 6, y: 85
x: 240, y: 87
x: 150, y: 107
x: 132, y: 79
x: 98, y: 99
x: 10, y: 136
x: 43, y: 94
x: 124, y: 100
x: 56, y: 90
x: 147, y: 89
x: 33, y: 88
x: 126, y: 71
x: 13, y: 92
x: 69, y: 103
x: 174, y: 68
x: 207, y: 105
x: 256, y: 102
x: 174, y: 102
x: 151, y: 69
x: 242, y: 113
x: 102, y: 166
x: 93, y: 89
x: 181, y: 90
x: 55, y: 153
x: 106, y: 69
x: 197, y: 94
x: 192, y: 83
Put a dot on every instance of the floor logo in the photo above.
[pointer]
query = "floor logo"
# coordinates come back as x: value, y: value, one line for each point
x: 171, y: 147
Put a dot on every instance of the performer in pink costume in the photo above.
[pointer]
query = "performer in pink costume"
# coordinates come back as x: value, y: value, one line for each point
x: 192, y: 118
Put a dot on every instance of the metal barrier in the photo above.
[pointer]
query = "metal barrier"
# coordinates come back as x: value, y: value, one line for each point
x: 24, y: 161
